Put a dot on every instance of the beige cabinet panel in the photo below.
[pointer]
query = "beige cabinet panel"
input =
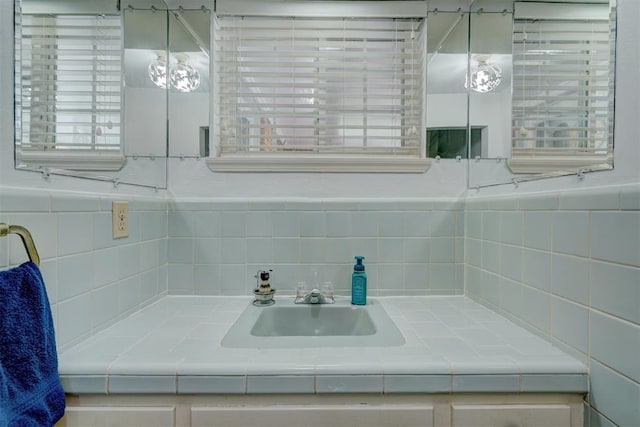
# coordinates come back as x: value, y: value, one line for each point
x: 96, y: 416
x: 313, y: 416
x: 511, y: 416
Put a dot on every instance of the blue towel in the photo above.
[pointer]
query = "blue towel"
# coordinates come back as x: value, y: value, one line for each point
x: 30, y: 389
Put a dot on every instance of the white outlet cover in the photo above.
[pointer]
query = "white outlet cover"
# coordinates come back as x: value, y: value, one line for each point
x: 120, y: 219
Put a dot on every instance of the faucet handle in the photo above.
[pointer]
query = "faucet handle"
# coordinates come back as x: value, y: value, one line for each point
x: 327, y: 289
x: 327, y: 292
x: 301, y: 289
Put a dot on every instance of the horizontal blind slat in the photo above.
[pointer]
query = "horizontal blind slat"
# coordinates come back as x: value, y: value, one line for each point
x: 292, y: 84
x: 561, y: 86
x: 70, y: 77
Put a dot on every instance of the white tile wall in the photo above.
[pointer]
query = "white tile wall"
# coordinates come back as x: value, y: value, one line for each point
x: 92, y: 280
x: 579, y: 287
x: 561, y: 266
x: 410, y: 247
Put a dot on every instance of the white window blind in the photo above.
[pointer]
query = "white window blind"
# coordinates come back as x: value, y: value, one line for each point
x: 69, y: 87
x: 562, y: 110
x: 332, y: 86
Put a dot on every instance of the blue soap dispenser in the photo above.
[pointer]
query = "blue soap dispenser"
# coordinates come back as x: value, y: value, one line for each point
x: 359, y: 283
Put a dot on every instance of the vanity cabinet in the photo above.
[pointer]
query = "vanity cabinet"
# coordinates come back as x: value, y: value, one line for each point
x: 511, y: 415
x: 407, y: 410
x: 314, y: 416
x: 112, y: 416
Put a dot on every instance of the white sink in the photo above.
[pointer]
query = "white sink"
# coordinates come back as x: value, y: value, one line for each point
x: 289, y: 325
x: 313, y: 320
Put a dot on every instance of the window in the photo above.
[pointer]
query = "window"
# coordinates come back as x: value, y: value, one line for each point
x: 562, y: 111
x: 312, y: 92
x: 68, y: 90
x: 449, y: 143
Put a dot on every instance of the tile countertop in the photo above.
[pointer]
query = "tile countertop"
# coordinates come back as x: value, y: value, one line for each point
x: 453, y: 344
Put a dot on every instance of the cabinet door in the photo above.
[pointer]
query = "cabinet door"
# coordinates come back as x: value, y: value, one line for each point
x: 313, y: 416
x: 511, y: 416
x: 104, y: 416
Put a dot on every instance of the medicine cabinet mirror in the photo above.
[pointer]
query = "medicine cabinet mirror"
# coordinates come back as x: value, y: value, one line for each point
x: 522, y: 89
x: 97, y: 81
x: 541, y: 89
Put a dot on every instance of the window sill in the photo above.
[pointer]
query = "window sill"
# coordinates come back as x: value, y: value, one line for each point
x: 71, y: 160
x: 549, y: 164
x: 326, y: 163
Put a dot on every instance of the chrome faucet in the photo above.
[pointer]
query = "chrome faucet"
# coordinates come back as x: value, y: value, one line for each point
x: 315, y: 296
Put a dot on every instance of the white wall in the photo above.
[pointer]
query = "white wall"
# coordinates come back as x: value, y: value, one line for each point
x: 192, y: 178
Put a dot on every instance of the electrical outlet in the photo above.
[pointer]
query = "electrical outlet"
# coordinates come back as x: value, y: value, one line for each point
x: 120, y: 216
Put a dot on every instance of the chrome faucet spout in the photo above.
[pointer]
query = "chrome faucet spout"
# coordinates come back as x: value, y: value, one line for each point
x: 315, y: 296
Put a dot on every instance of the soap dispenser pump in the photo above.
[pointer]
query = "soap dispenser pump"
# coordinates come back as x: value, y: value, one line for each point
x: 359, y: 283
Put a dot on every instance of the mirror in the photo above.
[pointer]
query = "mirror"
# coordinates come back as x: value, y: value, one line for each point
x: 129, y: 130
x: 166, y: 81
x: 551, y: 110
x: 96, y: 103
x: 189, y: 44
x: 145, y: 108
x: 447, y: 100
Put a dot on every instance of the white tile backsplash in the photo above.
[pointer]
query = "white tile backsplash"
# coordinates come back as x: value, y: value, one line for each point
x: 570, y: 277
x: 76, y: 272
x: 615, y: 237
x: 580, y: 283
x: 233, y: 224
x: 312, y: 224
x: 569, y: 323
x: 614, y: 395
x: 82, y: 265
x: 295, y: 238
x: 615, y: 289
x: 442, y: 249
x: 571, y: 233
x: 511, y: 262
x: 77, y: 232
x: 615, y: 343
x: 206, y: 224
x: 511, y: 227
x: 565, y: 267
x: 259, y: 224
x: 536, y: 269
x: 537, y: 230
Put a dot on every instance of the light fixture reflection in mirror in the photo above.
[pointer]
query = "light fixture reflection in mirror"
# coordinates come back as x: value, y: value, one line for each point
x: 158, y: 71
x: 182, y: 76
x: 484, y: 77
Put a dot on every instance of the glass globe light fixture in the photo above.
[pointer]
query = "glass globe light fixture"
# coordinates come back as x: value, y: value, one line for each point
x: 183, y: 76
x: 158, y: 70
x: 485, y: 77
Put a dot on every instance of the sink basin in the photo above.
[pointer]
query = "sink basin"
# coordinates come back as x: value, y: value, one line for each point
x: 316, y: 320
x: 289, y: 325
